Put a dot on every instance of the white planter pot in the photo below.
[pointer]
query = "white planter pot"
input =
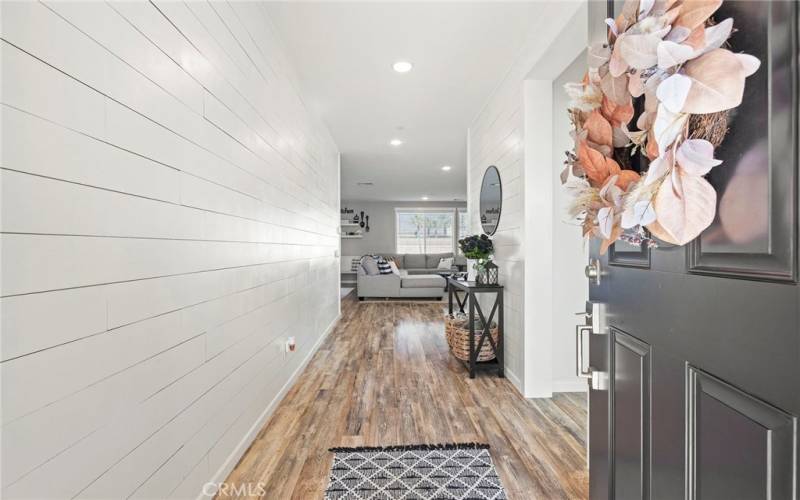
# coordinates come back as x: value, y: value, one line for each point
x: 472, y: 273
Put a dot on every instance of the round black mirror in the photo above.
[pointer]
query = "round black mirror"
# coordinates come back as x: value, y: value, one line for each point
x: 491, y: 200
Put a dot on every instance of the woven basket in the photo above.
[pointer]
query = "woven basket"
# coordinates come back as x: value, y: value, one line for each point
x: 456, y: 328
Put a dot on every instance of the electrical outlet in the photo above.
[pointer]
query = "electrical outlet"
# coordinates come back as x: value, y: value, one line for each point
x: 291, y: 345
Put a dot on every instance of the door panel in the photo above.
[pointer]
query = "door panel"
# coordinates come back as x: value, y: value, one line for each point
x: 703, y: 402
x: 624, y: 254
x: 738, y: 446
x: 630, y: 400
x: 753, y: 234
x: 668, y: 413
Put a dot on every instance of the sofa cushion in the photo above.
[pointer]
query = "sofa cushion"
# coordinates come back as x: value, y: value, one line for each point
x: 420, y: 271
x: 432, y: 259
x: 414, y: 261
x: 370, y: 265
x: 422, y: 281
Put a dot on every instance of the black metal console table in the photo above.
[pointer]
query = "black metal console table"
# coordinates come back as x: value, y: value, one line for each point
x: 470, y: 290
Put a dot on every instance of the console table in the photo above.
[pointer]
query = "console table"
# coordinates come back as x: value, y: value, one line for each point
x: 470, y: 289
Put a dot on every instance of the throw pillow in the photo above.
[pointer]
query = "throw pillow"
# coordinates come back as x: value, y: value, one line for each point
x: 445, y: 263
x: 383, y: 266
x: 394, y: 267
x: 370, y: 265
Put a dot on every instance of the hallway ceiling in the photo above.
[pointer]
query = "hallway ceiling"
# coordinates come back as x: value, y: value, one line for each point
x: 344, y: 52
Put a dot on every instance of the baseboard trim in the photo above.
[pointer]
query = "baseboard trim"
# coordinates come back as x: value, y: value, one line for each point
x: 227, y: 466
x: 568, y: 385
x: 515, y: 380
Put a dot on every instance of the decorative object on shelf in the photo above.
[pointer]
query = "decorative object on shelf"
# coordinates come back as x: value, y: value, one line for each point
x: 669, y: 54
x: 478, y: 251
x: 357, y: 219
x: 487, y: 274
x: 491, y: 200
x: 345, y: 216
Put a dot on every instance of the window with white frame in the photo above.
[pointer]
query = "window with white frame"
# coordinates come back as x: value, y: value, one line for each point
x: 428, y: 230
x: 463, y: 223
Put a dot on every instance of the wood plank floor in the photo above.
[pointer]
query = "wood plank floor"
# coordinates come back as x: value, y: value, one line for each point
x: 385, y: 377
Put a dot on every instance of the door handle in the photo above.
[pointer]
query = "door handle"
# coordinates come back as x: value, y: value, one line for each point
x: 592, y: 271
x: 580, y: 330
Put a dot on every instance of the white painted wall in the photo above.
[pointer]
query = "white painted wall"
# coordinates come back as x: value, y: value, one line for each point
x: 169, y: 217
x: 514, y: 131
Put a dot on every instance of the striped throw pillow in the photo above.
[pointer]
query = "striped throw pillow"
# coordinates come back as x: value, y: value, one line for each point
x: 383, y: 265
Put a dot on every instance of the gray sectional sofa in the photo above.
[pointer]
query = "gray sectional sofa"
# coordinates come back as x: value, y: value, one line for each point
x: 418, y: 278
x: 423, y: 263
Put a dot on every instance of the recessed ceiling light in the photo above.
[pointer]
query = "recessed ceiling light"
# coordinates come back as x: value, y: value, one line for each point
x: 396, y: 142
x: 446, y: 168
x: 402, y: 66
x: 424, y: 198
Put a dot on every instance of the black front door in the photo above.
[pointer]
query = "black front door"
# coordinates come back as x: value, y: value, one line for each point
x: 695, y: 354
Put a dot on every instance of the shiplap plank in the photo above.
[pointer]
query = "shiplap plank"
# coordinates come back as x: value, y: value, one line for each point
x: 38, y: 146
x: 135, y: 300
x: 36, y: 204
x: 34, y: 322
x: 37, y: 263
x: 77, y: 106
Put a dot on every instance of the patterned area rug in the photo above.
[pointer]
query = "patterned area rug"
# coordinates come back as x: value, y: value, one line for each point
x: 417, y: 472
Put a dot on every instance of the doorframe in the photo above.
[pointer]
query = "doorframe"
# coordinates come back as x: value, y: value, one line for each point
x: 540, y: 213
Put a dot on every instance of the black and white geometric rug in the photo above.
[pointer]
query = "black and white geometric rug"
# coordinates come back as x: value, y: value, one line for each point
x: 416, y: 472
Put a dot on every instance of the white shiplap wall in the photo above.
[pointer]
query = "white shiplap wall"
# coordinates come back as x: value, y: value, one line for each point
x: 497, y: 137
x: 169, y: 216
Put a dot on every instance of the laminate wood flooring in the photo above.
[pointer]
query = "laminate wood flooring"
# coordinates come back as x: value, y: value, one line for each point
x: 384, y: 376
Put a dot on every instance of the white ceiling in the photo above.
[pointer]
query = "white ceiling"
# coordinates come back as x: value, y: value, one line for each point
x: 343, y: 53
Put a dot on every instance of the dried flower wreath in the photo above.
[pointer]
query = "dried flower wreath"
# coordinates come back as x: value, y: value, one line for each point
x: 668, y: 51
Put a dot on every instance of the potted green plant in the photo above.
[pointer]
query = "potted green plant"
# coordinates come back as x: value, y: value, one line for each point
x: 478, y: 250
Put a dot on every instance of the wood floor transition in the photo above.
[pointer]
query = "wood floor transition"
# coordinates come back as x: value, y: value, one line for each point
x: 383, y: 377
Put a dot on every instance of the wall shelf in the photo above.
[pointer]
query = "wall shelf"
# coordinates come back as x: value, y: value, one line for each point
x: 352, y: 236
